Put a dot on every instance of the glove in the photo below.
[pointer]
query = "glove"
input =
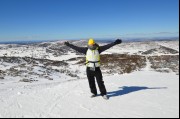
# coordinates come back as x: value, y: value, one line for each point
x: 118, y: 41
x: 66, y: 43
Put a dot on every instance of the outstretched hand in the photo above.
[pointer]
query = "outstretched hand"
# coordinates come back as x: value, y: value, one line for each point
x: 118, y: 41
x: 66, y: 43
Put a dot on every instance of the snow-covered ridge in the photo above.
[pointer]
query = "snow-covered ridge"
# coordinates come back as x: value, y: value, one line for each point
x: 15, y: 60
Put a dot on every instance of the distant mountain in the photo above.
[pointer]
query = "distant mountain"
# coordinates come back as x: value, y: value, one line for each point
x: 140, y: 39
x: 25, y: 42
x: 98, y: 40
x: 160, y: 50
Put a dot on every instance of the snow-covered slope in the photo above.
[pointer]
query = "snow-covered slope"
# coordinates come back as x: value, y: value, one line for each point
x: 49, y: 80
x: 57, y: 51
x: 138, y: 95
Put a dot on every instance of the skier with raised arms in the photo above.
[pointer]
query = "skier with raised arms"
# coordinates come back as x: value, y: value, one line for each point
x: 92, y: 52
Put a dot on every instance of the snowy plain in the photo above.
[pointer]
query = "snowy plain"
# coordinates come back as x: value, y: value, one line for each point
x: 143, y: 94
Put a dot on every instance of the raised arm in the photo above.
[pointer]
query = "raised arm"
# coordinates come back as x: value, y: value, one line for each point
x: 79, y: 49
x: 105, y: 47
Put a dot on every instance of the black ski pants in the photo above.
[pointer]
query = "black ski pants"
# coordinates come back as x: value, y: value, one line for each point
x: 91, y: 75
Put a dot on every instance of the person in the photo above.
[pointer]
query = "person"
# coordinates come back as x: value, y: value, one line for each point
x: 92, y: 52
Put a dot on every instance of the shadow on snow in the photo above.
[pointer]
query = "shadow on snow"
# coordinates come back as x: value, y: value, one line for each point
x: 130, y: 89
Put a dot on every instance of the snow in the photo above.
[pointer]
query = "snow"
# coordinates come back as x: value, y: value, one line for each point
x: 138, y: 47
x: 124, y: 48
x: 170, y: 44
x: 139, y: 94
x: 5, y: 66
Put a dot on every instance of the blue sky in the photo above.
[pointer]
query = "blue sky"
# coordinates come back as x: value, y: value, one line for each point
x: 82, y: 19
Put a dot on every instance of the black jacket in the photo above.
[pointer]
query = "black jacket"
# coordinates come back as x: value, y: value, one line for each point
x: 84, y: 49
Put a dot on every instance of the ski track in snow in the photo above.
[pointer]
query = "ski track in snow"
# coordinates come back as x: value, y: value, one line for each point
x: 148, y: 65
x: 57, y: 99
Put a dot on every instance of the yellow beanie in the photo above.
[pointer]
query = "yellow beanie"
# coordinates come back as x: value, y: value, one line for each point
x: 91, y: 41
